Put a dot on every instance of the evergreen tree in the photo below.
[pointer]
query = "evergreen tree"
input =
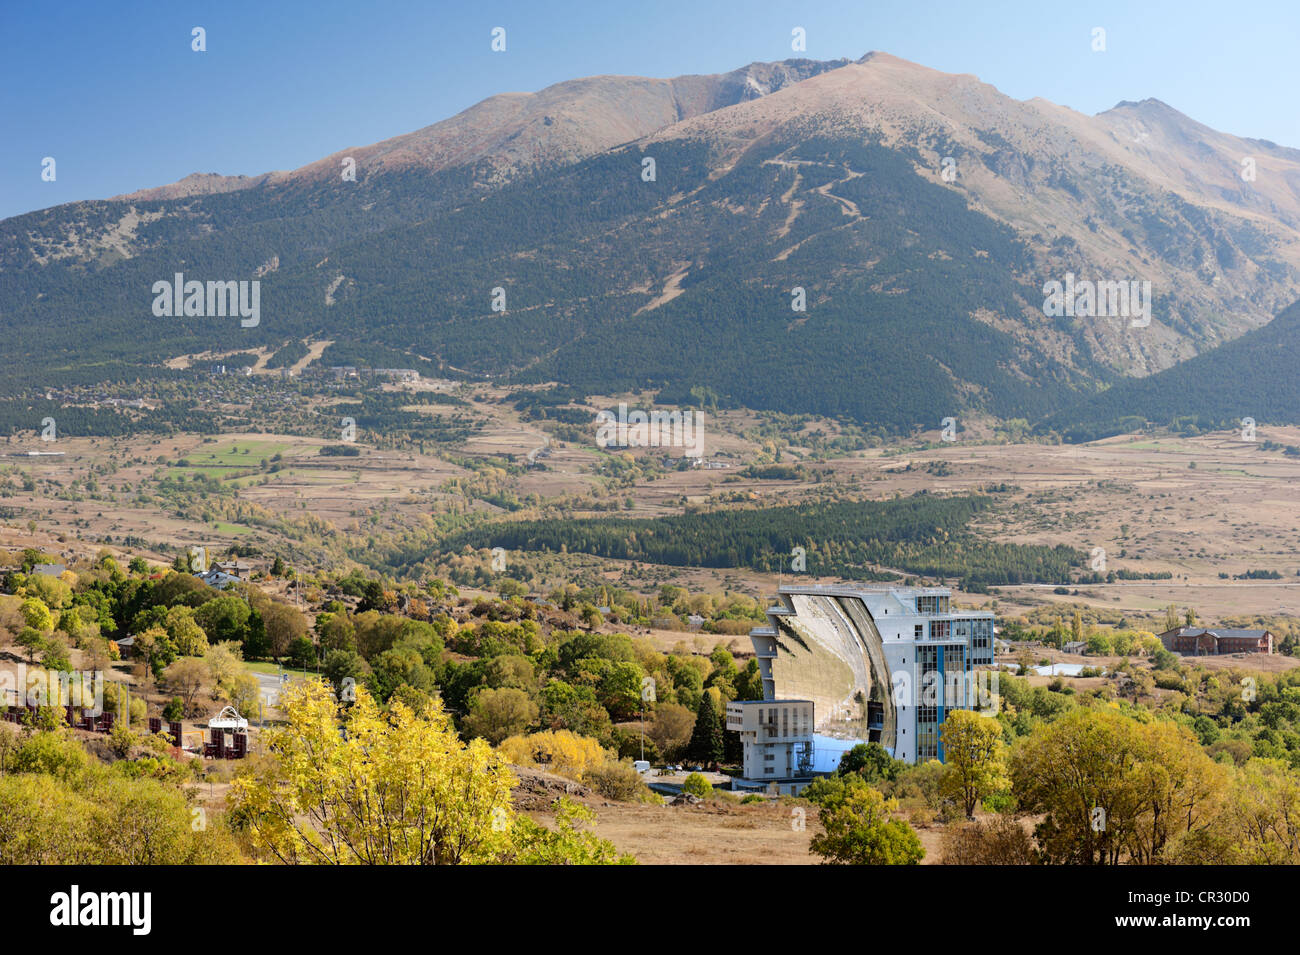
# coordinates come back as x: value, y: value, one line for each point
x: 707, y: 744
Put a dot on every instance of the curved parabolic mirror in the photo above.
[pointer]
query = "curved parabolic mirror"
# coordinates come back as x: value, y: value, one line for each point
x: 829, y: 651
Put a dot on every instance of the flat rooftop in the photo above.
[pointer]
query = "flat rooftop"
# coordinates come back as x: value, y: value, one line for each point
x: 769, y: 701
x: 852, y: 589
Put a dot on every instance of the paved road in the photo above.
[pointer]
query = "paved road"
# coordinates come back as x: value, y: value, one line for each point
x: 270, y: 685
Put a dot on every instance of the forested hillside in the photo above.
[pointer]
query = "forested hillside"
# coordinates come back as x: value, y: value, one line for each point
x: 1251, y: 377
x: 920, y: 263
x: 923, y: 534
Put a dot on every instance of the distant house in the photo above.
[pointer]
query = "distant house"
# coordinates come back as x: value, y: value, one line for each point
x: 695, y: 621
x: 217, y: 579
x: 236, y: 568
x: 1074, y: 646
x: 1207, y: 641
x: 49, y: 570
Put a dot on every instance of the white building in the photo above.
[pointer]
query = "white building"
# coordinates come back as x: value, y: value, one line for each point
x: 777, y: 736
x: 873, y: 664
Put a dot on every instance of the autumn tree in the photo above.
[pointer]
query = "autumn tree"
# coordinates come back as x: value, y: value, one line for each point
x: 861, y: 831
x: 53, y: 592
x: 243, y: 692
x: 496, y: 714
x: 1113, y: 789
x: 283, y: 624
x: 671, y: 729
x: 358, y: 785
x: 185, y: 632
x: 37, y: 615
x: 187, y: 676
x: 1262, y: 828
x: 558, y: 751
x: 974, y: 767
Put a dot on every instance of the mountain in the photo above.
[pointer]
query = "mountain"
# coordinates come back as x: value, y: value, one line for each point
x: 1251, y: 377
x: 921, y: 213
x: 521, y: 131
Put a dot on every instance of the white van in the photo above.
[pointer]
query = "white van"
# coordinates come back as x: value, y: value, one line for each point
x: 642, y: 766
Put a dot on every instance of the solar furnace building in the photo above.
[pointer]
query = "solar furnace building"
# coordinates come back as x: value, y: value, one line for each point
x: 877, y: 664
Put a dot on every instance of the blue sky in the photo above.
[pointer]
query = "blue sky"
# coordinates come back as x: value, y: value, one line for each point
x: 114, y: 93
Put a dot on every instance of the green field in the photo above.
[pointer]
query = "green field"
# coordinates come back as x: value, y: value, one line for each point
x: 1168, y: 447
x: 243, y: 454
x: 224, y: 527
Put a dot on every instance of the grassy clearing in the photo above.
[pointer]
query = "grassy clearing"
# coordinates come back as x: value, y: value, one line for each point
x: 237, y: 454
x: 270, y: 669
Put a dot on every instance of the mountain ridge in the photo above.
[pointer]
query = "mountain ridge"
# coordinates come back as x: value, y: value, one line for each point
x: 493, y: 122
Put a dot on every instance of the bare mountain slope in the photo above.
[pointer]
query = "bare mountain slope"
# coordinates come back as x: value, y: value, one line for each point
x: 1137, y: 192
x: 516, y: 131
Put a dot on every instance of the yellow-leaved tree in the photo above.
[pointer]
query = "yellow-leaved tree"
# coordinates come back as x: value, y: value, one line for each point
x: 559, y: 751
x: 974, y: 766
x: 363, y: 785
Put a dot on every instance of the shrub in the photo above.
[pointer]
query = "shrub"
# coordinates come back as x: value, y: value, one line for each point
x: 697, y: 785
x: 616, y: 780
x: 1000, y: 841
x: 862, y: 832
x: 121, y: 741
x: 922, y: 817
x: 1000, y: 802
